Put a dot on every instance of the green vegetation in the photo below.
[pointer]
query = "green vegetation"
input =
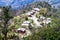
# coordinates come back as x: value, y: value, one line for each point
x: 52, y: 32
x: 36, y: 5
x: 5, y: 17
x: 9, y: 23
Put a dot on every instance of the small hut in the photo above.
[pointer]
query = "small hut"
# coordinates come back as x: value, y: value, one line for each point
x: 26, y: 24
x: 36, y: 9
x: 21, y: 30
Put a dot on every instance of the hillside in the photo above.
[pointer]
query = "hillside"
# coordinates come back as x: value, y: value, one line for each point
x: 16, y: 4
x: 35, y: 21
x: 32, y: 25
x: 36, y: 5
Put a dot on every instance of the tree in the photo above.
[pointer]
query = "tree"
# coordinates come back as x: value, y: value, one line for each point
x: 5, y: 17
x: 45, y: 34
x: 43, y: 11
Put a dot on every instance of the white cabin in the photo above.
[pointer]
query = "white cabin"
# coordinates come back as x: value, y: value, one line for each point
x: 46, y: 21
x: 36, y: 9
x: 26, y: 23
x: 22, y: 29
x: 42, y: 17
x: 0, y: 10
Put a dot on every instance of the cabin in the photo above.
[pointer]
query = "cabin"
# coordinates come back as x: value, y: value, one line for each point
x: 33, y: 12
x: 47, y: 21
x: 29, y: 14
x: 26, y: 23
x: 36, y: 9
x: 21, y: 30
x: 0, y: 10
x: 48, y: 18
x: 42, y: 18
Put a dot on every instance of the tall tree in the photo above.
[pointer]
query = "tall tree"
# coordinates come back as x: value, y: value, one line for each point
x: 6, y: 17
x: 43, y: 11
